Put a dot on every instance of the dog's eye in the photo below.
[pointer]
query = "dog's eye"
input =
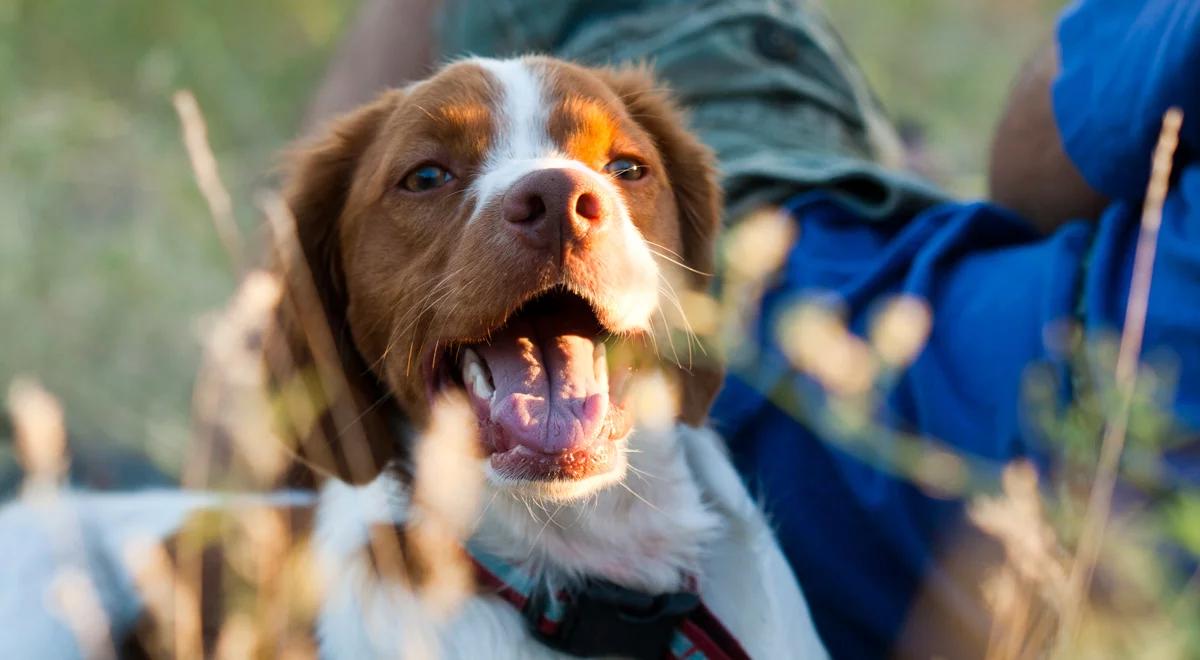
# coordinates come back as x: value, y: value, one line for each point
x: 625, y: 169
x: 426, y: 178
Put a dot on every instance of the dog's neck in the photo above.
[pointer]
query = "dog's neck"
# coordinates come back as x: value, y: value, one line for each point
x: 684, y: 515
x: 647, y: 532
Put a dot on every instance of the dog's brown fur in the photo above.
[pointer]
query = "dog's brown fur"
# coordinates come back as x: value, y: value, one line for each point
x: 378, y: 258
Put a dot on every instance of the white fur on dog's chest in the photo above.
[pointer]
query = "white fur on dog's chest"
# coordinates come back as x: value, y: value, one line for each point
x: 687, y: 515
x: 398, y: 624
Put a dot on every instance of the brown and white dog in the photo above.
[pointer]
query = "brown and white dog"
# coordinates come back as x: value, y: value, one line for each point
x: 507, y: 232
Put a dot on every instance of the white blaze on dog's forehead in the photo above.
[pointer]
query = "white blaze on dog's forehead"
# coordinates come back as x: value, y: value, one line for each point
x: 522, y: 144
x: 523, y: 110
x: 522, y: 134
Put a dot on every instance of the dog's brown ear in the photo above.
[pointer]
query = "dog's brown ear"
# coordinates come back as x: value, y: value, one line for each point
x: 692, y: 172
x: 337, y: 416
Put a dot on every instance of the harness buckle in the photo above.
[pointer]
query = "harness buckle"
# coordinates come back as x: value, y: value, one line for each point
x: 604, y: 619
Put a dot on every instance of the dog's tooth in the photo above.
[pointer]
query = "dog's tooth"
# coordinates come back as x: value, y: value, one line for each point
x: 483, y: 388
x: 600, y: 368
x: 474, y: 376
x: 469, y: 359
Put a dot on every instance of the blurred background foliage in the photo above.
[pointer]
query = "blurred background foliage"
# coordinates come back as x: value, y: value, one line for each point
x: 108, y: 261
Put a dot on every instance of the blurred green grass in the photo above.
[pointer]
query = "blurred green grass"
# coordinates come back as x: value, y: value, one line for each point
x: 107, y: 256
x: 945, y: 68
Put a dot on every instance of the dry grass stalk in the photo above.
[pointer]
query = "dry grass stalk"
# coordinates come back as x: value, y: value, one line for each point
x: 938, y: 471
x: 653, y: 402
x: 231, y: 398
x: 170, y: 600
x: 385, y: 547
x: 230, y: 403
x: 285, y: 587
x: 204, y: 168
x: 41, y: 437
x: 446, y: 492
x: 238, y: 639
x: 73, y: 596
x: 41, y: 444
x: 282, y: 225
x: 757, y: 246
x: 273, y: 585
x: 257, y: 548
x: 1100, y: 500
x: 752, y: 251
x: 702, y: 312
x: 816, y: 341
x: 1023, y: 592
x: 900, y: 330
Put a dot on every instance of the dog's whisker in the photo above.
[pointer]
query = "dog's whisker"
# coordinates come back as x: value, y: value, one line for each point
x: 412, y: 345
x: 486, y: 507
x: 428, y: 302
x: 366, y: 411
x: 654, y: 340
x: 398, y: 332
x: 638, y: 496
x: 644, y: 475
x: 583, y: 510
x: 549, y: 520
x: 662, y: 247
x: 528, y: 507
x: 670, y: 337
x: 688, y: 333
x: 678, y: 263
x: 687, y: 328
x: 432, y: 291
x: 411, y: 319
x: 673, y: 296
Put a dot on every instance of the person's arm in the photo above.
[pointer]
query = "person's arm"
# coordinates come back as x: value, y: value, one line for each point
x: 1029, y: 170
x: 390, y: 43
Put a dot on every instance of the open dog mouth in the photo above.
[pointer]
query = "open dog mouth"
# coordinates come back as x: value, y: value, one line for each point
x: 540, y: 389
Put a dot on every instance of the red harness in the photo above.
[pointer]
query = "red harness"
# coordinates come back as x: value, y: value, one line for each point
x: 604, y: 619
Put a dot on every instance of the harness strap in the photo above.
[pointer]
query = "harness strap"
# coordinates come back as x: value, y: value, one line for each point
x: 603, y: 618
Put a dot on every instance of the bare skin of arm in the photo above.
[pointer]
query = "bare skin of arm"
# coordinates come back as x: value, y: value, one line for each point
x: 1029, y: 172
x: 390, y: 43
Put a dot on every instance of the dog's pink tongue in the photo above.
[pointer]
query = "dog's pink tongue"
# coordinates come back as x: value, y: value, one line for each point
x: 549, y: 396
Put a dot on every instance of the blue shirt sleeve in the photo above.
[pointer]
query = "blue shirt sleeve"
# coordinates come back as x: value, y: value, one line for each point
x: 1123, y: 63
x: 861, y: 538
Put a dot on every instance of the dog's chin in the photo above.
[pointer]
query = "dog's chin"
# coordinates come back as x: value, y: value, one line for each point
x: 605, y: 472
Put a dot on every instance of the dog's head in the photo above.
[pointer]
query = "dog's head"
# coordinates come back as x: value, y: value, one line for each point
x: 504, y: 228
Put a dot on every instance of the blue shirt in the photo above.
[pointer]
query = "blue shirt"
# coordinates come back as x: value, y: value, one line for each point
x: 862, y: 541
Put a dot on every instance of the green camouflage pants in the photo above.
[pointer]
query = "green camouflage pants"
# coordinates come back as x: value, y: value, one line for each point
x: 767, y: 85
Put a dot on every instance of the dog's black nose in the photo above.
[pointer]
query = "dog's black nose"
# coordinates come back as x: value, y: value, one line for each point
x: 554, y: 207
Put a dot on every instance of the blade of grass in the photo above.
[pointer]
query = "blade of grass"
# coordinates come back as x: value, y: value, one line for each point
x: 208, y: 178
x: 1099, y: 507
